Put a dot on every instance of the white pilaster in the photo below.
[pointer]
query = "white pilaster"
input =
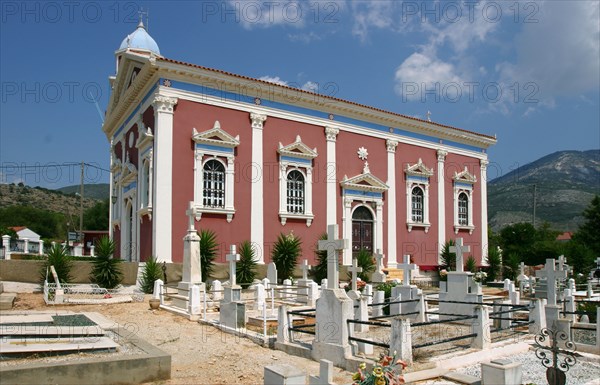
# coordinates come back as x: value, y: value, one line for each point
x: 347, y: 229
x: 256, y: 193
x: 441, y: 184
x: 379, y: 225
x: 163, y: 180
x: 391, y: 201
x: 484, y: 212
x: 229, y: 181
x: 331, y: 169
x: 112, y: 192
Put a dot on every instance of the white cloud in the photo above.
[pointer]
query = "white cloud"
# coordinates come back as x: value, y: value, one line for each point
x: 274, y: 79
x: 311, y: 86
x: 371, y: 14
x: 307, y: 86
x: 266, y: 14
x: 304, y: 37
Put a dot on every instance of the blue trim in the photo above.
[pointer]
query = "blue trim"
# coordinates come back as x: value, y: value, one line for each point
x: 226, y: 95
x: 297, y: 160
x: 135, y: 112
x: 130, y: 186
x: 463, y: 184
x: 363, y: 193
x: 214, y: 148
x: 417, y: 178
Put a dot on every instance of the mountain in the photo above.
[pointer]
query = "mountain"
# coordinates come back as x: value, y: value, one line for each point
x: 95, y: 191
x: 565, y: 183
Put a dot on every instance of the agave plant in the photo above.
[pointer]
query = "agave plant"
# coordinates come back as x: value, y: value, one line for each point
x: 285, y: 254
x: 494, y: 259
x: 152, y: 271
x: 61, y: 260
x: 106, y: 270
x: 364, y: 259
x: 471, y: 264
x: 245, y: 269
x: 208, y: 252
x: 448, y: 258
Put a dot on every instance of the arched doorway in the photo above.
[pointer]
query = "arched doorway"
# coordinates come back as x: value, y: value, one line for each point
x: 362, y: 230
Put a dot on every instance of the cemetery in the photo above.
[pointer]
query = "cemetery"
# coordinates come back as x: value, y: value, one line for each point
x: 460, y: 331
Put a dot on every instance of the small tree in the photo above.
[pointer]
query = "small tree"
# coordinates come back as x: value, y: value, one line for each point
x: 285, y: 254
x: 494, y: 260
x: 511, y: 266
x: 588, y: 234
x: 106, y: 270
x: 471, y: 264
x: 448, y: 259
x: 208, y: 252
x: 245, y: 269
x: 320, y: 271
x: 152, y: 271
x: 62, y: 262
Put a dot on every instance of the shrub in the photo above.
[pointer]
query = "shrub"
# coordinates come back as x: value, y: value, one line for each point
x: 106, y: 270
x: 511, y: 266
x: 285, y: 254
x: 320, y: 271
x: 494, y: 260
x: 245, y: 269
x: 208, y: 252
x: 448, y: 259
x: 590, y: 309
x: 364, y: 259
x: 152, y: 272
x: 471, y: 264
x: 62, y: 262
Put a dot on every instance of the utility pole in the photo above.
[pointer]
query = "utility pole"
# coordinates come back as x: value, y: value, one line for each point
x: 534, y: 202
x: 81, y: 205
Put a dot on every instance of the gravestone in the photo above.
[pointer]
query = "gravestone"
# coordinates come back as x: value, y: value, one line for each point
x: 272, y: 273
x: 287, y: 289
x: 552, y: 275
x: 354, y: 270
x: 368, y: 292
x: 406, y: 291
x: 232, y: 310
x: 325, y: 376
x: 259, y: 296
x: 378, y: 276
x: 333, y: 308
x: 216, y: 290
x: 304, y: 283
x: 460, y: 287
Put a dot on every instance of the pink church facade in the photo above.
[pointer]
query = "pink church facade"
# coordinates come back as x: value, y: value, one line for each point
x: 257, y: 159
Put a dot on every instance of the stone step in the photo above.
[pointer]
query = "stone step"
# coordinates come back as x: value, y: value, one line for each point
x: 7, y: 301
x: 18, y: 346
x: 45, y: 331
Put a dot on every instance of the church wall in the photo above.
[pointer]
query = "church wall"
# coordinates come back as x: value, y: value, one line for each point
x: 145, y: 239
x: 456, y: 163
x: 116, y: 236
x: 187, y: 116
x: 278, y: 130
x: 420, y: 245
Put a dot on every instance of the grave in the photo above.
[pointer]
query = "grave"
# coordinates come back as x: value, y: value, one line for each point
x: 406, y: 291
x: 378, y: 276
x: 232, y: 310
x: 551, y: 275
x: 305, y: 285
x: 460, y: 287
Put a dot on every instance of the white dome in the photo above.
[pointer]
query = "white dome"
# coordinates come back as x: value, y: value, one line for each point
x: 140, y: 39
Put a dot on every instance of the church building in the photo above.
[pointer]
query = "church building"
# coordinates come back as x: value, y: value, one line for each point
x: 256, y: 159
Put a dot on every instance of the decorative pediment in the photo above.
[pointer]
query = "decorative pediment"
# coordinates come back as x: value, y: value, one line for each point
x: 129, y: 170
x: 418, y: 169
x: 216, y: 137
x: 364, y: 182
x: 297, y: 150
x: 145, y: 138
x: 464, y: 177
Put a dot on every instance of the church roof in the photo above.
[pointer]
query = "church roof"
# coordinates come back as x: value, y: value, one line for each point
x: 140, y: 39
x: 323, y: 96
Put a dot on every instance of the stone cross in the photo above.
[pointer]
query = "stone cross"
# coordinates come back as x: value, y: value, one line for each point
x: 549, y: 271
x: 407, y: 267
x: 561, y: 263
x: 232, y: 257
x: 355, y: 270
x: 522, y: 268
x: 458, y: 249
x: 191, y: 213
x: 305, y: 268
x: 379, y: 257
x: 333, y: 245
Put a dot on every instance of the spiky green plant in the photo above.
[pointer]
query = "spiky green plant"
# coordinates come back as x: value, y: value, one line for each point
x: 494, y: 260
x: 106, y: 270
x: 152, y: 271
x: 320, y: 271
x: 364, y: 259
x: 61, y: 260
x: 285, y: 253
x: 208, y: 252
x: 245, y: 269
x: 511, y: 266
x: 471, y: 264
x: 448, y: 259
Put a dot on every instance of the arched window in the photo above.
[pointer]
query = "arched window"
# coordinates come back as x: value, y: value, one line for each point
x: 417, y: 205
x: 295, y: 192
x: 214, y: 184
x: 463, y: 209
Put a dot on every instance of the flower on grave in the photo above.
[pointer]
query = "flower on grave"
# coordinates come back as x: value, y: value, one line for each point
x: 107, y: 296
x: 387, y: 371
x: 480, y: 276
x: 443, y: 273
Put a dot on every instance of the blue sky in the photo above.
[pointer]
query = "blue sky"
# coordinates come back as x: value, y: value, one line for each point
x: 527, y: 71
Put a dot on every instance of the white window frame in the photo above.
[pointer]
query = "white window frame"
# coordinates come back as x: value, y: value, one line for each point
x: 221, y: 149
x: 145, y: 145
x: 463, y: 183
x: 417, y: 175
x: 296, y: 157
